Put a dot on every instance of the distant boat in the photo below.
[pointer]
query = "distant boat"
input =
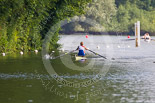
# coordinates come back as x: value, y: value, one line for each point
x: 147, y: 40
x: 77, y: 58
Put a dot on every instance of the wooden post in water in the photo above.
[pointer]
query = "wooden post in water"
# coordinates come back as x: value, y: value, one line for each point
x: 137, y: 33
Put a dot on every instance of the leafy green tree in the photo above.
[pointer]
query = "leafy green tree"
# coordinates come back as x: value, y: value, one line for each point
x: 24, y: 23
x: 101, y: 11
x: 130, y: 11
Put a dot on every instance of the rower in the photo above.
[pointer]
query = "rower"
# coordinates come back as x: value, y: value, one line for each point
x: 147, y: 37
x: 81, y: 49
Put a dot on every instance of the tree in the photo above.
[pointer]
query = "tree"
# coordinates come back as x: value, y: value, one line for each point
x: 24, y: 23
x: 101, y: 11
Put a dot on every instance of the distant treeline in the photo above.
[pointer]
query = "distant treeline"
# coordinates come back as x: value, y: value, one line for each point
x: 116, y: 16
x: 25, y: 23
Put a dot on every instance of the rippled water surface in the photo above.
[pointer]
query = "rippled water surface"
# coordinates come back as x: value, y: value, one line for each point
x: 127, y: 76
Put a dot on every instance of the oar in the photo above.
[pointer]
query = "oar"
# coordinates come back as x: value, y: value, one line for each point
x: 63, y: 54
x: 97, y: 54
x: 153, y: 39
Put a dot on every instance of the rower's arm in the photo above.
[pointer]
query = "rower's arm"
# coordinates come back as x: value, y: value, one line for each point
x: 77, y: 48
x: 86, y: 48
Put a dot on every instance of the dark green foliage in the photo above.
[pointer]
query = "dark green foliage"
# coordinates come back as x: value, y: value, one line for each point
x: 130, y: 11
x: 24, y: 23
x: 142, y: 4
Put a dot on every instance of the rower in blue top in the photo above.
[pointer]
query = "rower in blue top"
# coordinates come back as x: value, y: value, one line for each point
x: 81, y: 49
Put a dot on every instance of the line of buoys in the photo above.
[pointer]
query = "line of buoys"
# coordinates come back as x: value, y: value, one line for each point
x: 21, y: 52
x: 118, y: 46
x: 36, y: 51
x: 98, y: 47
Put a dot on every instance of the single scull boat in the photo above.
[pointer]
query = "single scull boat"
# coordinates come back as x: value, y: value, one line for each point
x: 77, y: 58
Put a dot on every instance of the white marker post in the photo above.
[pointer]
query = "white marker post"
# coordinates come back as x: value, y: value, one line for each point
x: 137, y: 33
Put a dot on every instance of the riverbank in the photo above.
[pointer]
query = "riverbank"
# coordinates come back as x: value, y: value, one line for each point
x: 104, y: 33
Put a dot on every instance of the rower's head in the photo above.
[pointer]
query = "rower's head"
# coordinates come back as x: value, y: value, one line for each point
x: 81, y: 43
x: 147, y: 34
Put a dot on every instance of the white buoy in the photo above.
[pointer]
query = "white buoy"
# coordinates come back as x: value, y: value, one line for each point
x: 119, y: 46
x: 47, y: 56
x: 21, y: 53
x: 36, y: 51
x: 98, y: 47
x: 108, y: 46
x: 63, y: 50
x: 129, y: 46
x: 3, y: 54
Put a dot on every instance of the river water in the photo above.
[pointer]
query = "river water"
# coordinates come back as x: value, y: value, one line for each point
x: 126, y: 76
